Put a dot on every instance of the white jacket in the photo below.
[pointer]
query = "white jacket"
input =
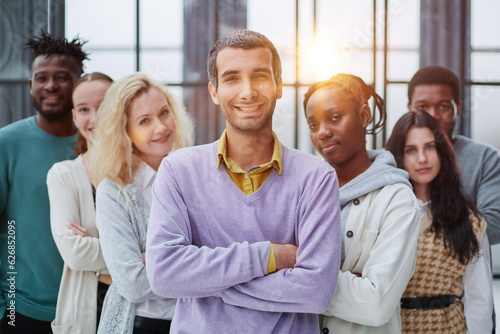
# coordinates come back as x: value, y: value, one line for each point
x: 381, y: 235
x: 70, y: 195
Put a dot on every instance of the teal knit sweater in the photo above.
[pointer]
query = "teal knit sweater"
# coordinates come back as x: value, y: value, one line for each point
x: 30, y: 264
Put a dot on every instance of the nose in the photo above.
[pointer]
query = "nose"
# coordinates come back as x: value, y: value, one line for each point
x: 92, y: 116
x: 422, y: 156
x: 324, y: 131
x: 160, y: 127
x: 51, y: 84
x: 248, y: 90
x: 434, y: 113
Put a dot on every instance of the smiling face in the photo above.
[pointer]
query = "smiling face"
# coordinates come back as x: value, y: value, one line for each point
x: 421, y: 159
x: 87, y: 98
x: 51, y: 85
x: 151, y: 126
x: 246, y: 91
x: 337, y: 127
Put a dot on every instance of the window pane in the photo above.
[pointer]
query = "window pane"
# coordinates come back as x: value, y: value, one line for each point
x: 109, y: 23
x: 116, y: 64
x: 403, y: 24
x: 485, y: 66
x: 484, y: 106
x: 396, y: 105
x: 161, y: 23
x: 276, y: 20
x: 402, y: 65
x: 165, y: 66
x: 485, y: 23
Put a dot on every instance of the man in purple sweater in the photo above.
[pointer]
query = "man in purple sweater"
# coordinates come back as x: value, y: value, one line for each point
x: 244, y: 231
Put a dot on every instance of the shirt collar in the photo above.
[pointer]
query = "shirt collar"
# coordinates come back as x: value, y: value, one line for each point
x: 276, y: 159
x: 145, y: 175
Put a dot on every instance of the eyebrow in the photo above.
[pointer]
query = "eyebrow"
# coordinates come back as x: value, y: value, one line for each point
x: 429, y: 142
x: 440, y: 101
x: 165, y: 107
x: 229, y: 72
x: 257, y: 70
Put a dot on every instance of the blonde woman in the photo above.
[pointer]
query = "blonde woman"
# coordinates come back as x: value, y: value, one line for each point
x: 139, y: 123
x: 72, y: 218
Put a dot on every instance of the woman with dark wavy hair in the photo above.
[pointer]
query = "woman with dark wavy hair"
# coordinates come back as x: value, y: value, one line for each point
x: 451, y: 289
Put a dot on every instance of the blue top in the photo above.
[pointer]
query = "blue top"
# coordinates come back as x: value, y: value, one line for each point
x: 30, y: 264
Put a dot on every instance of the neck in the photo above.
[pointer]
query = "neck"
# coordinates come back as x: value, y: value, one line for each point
x: 62, y: 128
x: 250, y: 149
x: 154, y: 163
x: 422, y: 191
x: 352, y: 168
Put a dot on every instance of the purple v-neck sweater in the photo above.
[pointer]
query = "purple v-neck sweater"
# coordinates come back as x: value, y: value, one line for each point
x: 208, y: 244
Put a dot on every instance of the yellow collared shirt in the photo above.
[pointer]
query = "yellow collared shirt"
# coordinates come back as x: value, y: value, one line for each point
x: 249, y: 182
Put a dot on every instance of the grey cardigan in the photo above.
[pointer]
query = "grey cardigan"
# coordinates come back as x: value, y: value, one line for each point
x: 122, y: 221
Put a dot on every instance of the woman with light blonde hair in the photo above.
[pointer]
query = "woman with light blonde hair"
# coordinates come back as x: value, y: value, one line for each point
x: 139, y: 123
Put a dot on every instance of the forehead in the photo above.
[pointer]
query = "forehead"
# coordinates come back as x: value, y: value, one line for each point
x: 329, y: 98
x: 91, y: 88
x: 55, y: 62
x: 418, y: 135
x: 432, y: 93
x: 145, y: 101
x: 239, y: 59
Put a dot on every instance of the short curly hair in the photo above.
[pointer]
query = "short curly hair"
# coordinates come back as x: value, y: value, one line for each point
x: 47, y: 45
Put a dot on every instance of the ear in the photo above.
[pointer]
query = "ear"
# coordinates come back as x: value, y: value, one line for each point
x: 459, y: 108
x: 365, y: 115
x: 213, y: 93
x: 279, y: 89
x: 409, y: 106
x: 74, y: 115
x: 30, y: 83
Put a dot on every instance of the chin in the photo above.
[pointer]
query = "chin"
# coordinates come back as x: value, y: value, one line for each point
x: 55, y: 115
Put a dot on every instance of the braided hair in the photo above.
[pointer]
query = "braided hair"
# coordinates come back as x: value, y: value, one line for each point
x: 358, y: 90
x: 47, y: 45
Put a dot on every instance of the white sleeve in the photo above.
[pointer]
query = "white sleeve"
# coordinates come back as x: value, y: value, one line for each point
x: 478, y: 292
x: 374, y: 297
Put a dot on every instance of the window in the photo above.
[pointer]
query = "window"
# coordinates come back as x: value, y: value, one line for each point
x: 331, y: 36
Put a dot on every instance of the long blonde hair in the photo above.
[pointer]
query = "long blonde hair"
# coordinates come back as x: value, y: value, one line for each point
x: 112, y: 156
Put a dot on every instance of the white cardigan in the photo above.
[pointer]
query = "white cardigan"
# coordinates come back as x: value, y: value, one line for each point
x: 71, y: 199
x: 383, y: 228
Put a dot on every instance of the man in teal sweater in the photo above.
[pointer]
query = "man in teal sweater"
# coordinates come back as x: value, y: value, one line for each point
x: 31, y: 266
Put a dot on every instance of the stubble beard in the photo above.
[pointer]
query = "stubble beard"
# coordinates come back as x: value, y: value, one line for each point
x: 53, y: 115
x: 253, y: 125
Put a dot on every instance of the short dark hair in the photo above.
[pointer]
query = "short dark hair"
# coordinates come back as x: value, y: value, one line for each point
x: 47, y: 45
x: 245, y: 39
x: 435, y: 75
x: 449, y: 208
